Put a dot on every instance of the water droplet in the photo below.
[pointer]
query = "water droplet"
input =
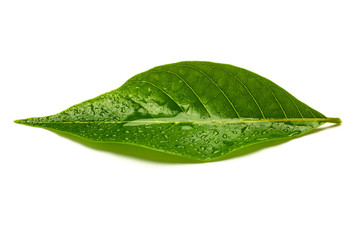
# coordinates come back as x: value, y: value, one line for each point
x: 186, y: 127
x: 215, y: 151
x: 216, y: 132
x: 229, y: 143
x: 224, y: 135
x: 203, y: 136
x: 295, y: 133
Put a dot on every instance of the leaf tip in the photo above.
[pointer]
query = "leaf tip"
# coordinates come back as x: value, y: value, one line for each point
x: 19, y: 121
x: 23, y: 121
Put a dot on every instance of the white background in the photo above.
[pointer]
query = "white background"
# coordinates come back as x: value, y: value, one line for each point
x: 54, y: 54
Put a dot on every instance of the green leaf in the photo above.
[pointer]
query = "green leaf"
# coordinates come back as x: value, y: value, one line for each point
x: 200, y: 110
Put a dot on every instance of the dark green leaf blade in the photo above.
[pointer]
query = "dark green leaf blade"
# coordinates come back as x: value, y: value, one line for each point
x: 199, y: 110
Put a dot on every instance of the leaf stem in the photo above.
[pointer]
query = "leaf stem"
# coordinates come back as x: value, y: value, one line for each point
x: 334, y: 120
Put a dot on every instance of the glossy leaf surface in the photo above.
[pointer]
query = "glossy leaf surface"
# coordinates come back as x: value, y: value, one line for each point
x: 200, y: 110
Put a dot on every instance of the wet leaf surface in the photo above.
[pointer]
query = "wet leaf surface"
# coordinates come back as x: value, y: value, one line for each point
x: 199, y: 110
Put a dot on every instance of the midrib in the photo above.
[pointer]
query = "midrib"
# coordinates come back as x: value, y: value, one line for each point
x: 329, y: 120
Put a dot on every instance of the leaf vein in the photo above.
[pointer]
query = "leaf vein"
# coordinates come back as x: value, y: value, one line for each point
x: 162, y: 90
x: 233, y: 107
x: 277, y: 100
x: 261, y: 111
x: 182, y: 79
x: 291, y: 98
